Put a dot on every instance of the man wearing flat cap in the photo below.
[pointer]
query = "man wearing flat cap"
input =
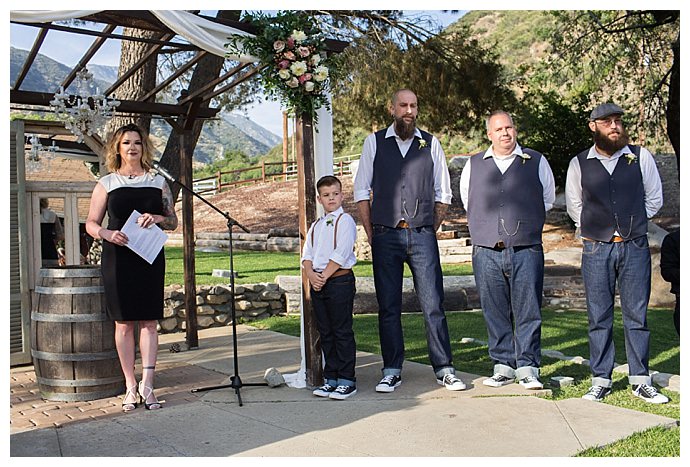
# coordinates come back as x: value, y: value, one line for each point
x: 611, y: 190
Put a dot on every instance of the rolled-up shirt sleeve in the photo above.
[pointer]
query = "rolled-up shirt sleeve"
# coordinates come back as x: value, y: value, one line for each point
x: 346, y: 237
x: 442, y: 191
x: 365, y: 170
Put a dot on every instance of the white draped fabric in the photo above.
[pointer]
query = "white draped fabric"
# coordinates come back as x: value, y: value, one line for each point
x: 212, y: 37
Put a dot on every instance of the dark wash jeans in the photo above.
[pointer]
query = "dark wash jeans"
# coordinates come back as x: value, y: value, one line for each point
x: 333, y: 310
x: 391, y: 249
x: 628, y: 264
x: 510, y: 283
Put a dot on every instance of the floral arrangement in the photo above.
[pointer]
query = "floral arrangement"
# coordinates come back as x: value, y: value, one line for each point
x: 422, y: 143
x: 631, y: 158
x: 525, y: 157
x: 292, y: 50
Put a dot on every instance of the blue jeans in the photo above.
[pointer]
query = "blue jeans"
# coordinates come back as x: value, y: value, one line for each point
x: 510, y: 283
x: 391, y: 248
x: 629, y: 264
x: 333, y: 310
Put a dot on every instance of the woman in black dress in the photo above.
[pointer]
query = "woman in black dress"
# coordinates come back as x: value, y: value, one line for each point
x: 133, y: 287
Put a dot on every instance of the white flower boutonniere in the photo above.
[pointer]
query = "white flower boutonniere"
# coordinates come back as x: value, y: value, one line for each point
x: 422, y: 143
x: 631, y: 158
x: 525, y: 157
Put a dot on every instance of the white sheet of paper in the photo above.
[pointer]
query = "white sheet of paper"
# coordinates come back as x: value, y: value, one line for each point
x: 146, y: 242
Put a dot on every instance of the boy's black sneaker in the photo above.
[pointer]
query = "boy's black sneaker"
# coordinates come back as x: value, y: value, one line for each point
x: 342, y: 392
x: 597, y: 393
x: 649, y: 394
x: 324, y: 391
x: 389, y: 383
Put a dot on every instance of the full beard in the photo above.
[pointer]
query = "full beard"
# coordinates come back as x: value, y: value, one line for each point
x: 404, y: 129
x: 608, y: 145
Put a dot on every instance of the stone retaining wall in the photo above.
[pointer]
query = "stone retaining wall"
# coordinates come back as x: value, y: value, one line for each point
x: 252, y: 301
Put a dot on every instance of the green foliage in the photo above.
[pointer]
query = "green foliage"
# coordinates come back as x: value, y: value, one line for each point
x: 291, y: 47
x: 554, y: 127
x: 455, y: 88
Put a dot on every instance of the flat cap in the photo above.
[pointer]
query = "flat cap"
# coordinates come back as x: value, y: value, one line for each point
x: 604, y: 110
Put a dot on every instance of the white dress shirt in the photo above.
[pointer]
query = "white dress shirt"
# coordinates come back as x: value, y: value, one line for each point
x: 322, y: 251
x: 653, y: 194
x: 545, y: 175
x: 365, y: 170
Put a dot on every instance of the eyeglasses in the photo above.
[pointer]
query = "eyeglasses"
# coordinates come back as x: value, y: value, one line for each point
x: 610, y: 122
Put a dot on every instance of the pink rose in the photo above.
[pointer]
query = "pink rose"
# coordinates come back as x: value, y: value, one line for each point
x: 278, y: 46
x: 283, y: 64
x: 291, y: 43
x: 289, y: 55
x: 303, y: 51
x: 305, y: 77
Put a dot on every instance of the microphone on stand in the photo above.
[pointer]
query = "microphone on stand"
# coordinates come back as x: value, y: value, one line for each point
x: 161, y: 170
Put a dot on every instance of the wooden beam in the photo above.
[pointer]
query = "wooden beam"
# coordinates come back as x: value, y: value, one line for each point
x: 199, y: 55
x: 97, y: 44
x: 212, y: 84
x: 307, y: 215
x: 30, y: 58
x: 192, y: 333
x: 126, y: 106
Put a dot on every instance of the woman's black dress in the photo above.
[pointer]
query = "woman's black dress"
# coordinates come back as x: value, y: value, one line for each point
x: 133, y: 287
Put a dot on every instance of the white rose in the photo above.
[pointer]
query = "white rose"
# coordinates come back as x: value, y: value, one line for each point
x: 320, y: 73
x: 284, y: 74
x: 293, y: 83
x: 315, y: 59
x: 309, y: 86
x: 298, y: 36
x: 298, y: 68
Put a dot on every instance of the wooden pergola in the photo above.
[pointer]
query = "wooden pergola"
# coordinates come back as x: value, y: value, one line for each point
x: 181, y: 116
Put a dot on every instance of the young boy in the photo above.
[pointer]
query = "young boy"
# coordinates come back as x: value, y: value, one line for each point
x: 327, y: 258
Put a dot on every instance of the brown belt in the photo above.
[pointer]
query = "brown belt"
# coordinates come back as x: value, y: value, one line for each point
x: 340, y: 272
x: 614, y: 239
x: 402, y: 225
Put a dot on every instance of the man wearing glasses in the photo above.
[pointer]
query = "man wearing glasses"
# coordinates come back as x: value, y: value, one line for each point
x: 611, y: 190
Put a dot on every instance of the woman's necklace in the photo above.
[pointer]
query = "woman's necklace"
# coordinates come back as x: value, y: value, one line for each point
x: 130, y: 176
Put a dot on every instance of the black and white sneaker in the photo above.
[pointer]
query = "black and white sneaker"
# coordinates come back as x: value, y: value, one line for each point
x: 531, y: 382
x: 389, y: 383
x: 343, y: 392
x: 324, y: 391
x: 451, y: 382
x: 649, y: 394
x: 597, y: 393
x: 496, y: 381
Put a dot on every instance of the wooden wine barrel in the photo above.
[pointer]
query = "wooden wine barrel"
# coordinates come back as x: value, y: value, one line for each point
x: 72, y: 339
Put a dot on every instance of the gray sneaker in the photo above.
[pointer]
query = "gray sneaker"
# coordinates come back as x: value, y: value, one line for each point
x: 597, y: 393
x: 531, y: 382
x: 496, y: 381
x: 649, y: 394
x: 451, y: 382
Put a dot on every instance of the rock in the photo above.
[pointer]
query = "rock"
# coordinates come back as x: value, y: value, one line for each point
x: 561, y: 381
x: 274, y: 378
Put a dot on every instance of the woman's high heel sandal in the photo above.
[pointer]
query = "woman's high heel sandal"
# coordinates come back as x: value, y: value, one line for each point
x: 144, y: 393
x: 129, y: 406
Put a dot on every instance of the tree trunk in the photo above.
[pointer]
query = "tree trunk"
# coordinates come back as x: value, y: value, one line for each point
x: 673, y: 106
x: 206, y: 70
x: 141, y: 82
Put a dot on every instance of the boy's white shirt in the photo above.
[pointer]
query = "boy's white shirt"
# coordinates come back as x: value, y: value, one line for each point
x: 322, y: 251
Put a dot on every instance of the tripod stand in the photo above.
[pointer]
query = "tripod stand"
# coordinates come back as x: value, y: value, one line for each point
x: 235, y: 380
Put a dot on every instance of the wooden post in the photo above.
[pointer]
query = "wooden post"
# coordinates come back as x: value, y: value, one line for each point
x: 192, y: 335
x: 285, y: 144
x: 307, y: 214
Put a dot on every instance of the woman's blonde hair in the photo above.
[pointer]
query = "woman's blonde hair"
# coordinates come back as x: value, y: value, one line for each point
x: 113, y: 161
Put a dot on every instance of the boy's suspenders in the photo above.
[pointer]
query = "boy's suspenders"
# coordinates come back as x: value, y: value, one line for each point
x: 335, y: 232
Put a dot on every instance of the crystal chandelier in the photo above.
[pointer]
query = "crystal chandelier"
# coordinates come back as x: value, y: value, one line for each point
x: 33, y: 157
x: 86, y: 111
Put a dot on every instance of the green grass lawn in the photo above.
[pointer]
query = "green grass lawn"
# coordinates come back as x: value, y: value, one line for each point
x: 565, y: 331
x: 258, y: 266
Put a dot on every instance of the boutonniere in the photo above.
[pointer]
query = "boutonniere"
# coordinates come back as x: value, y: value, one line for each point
x: 422, y: 143
x: 631, y: 158
x: 525, y: 157
x: 329, y: 221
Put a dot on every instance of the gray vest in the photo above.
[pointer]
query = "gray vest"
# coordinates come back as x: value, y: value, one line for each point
x: 612, y: 202
x: 403, y: 186
x: 506, y: 207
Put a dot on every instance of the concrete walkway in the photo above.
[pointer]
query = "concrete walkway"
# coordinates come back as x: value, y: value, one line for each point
x: 419, y: 419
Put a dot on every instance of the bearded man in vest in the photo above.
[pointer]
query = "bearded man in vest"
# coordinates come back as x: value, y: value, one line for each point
x: 506, y: 191
x: 612, y: 188
x: 402, y: 190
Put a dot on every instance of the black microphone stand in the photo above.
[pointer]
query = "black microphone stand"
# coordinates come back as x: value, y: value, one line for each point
x: 235, y: 380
